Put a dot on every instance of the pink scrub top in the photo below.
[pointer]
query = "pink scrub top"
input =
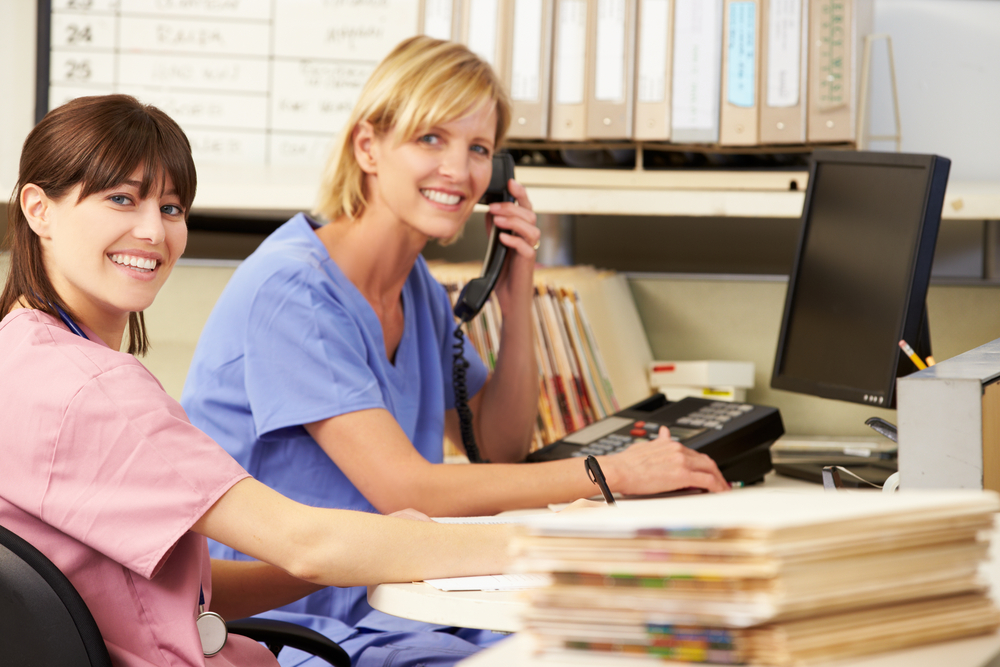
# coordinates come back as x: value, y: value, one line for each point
x: 104, y: 474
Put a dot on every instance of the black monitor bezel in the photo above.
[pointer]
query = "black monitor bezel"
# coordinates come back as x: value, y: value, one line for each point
x: 915, y: 316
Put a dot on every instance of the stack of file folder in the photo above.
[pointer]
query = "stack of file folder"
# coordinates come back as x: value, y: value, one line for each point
x: 772, y: 577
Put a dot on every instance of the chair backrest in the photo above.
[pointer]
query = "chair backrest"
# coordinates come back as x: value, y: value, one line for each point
x: 43, y: 620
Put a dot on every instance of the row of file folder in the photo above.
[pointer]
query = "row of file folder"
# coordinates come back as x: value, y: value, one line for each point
x: 575, y: 388
x: 717, y: 72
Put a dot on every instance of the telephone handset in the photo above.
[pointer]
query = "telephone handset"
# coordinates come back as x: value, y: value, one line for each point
x: 474, y: 296
x: 477, y: 291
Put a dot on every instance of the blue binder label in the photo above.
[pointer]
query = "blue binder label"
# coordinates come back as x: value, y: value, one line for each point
x: 742, y: 70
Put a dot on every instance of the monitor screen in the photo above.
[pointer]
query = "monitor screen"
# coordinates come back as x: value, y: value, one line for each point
x: 859, y: 282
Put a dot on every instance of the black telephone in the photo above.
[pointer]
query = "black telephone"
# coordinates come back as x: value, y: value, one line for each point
x: 738, y: 436
x: 477, y: 291
x: 474, y: 295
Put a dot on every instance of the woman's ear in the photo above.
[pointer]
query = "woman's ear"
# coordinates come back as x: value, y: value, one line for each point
x: 36, y: 206
x: 365, y: 152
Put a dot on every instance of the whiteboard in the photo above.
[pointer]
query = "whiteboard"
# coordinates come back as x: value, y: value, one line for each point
x: 261, y: 87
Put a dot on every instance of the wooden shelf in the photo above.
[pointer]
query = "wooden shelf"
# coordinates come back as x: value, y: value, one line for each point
x: 744, y: 194
x: 739, y: 194
x: 972, y: 201
x: 553, y: 190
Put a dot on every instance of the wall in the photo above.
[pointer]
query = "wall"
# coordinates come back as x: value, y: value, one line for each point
x: 690, y: 318
x: 947, y: 55
x: 17, y: 81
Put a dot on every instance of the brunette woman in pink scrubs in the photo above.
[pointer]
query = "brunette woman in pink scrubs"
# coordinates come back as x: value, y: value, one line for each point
x: 102, y: 471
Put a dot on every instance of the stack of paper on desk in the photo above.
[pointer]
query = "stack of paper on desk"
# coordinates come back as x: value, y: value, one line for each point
x: 762, y: 577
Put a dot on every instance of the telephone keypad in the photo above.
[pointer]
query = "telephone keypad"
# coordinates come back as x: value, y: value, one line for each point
x: 715, y: 416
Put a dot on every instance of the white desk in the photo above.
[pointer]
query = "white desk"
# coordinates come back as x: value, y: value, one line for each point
x: 483, y: 610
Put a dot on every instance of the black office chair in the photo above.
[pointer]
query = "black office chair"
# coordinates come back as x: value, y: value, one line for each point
x: 44, y: 621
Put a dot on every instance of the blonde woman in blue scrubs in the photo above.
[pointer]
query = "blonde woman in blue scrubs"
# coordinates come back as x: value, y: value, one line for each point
x: 325, y: 368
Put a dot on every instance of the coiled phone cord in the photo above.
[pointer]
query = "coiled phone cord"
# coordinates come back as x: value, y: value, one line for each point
x: 462, y: 399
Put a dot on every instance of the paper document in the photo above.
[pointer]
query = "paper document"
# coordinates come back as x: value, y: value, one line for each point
x: 491, y: 582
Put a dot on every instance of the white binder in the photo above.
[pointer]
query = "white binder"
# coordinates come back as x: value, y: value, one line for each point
x: 569, y: 72
x: 697, y: 71
x: 784, y: 59
x: 529, y: 68
x: 611, y: 69
x: 654, y: 55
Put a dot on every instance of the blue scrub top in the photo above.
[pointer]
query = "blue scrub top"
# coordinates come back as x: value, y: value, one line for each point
x: 292, y: 341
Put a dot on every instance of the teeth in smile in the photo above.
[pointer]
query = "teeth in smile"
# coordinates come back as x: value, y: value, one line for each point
x: 441, y: 197
x: 135, y: 262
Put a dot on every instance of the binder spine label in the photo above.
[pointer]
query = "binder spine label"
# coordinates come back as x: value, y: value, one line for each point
x: 609, y: 79
x: 784, y: 53
x: 526, y: 62
x: 833, y: 36
x: 483, y: 29
x: 742, y: 56
x: 697, y: 66
x: 571, y: 53
x: 653, y: 32
x: 437, y: 18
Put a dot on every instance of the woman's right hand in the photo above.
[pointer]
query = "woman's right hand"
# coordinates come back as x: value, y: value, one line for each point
x: 661, y: 465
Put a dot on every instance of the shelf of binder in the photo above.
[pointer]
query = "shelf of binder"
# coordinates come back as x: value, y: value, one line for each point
x: 714, y: 380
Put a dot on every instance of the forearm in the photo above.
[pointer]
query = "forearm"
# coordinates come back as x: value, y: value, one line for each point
x: 328, y: 547
x: 246, y: 588
x: 331, y: 547
x: 374, y: 453
x: 358, y: 549
x: 483, y: 490
x: 510, y: 399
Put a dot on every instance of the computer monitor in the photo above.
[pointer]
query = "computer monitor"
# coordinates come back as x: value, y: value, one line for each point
x: 859, y: 282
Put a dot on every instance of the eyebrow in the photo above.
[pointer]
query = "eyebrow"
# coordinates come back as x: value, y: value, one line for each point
x: 138, y: 185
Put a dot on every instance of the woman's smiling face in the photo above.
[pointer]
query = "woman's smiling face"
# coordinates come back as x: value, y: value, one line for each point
x: 433, y: 180
x: 108, y: 254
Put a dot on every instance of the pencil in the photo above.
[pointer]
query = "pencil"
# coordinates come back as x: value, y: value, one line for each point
x: 917, y: 361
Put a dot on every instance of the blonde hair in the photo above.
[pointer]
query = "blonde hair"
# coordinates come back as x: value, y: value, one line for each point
x: 422, y: 83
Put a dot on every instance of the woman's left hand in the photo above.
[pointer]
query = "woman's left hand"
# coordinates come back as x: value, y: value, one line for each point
x: 519, y: 232
x: 412, y: 514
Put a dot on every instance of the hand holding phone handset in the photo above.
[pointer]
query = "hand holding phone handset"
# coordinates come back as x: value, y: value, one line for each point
x: 474, y: 295
x: 477, y: 291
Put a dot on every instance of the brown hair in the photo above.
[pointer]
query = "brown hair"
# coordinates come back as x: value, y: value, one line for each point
x: 96, y: 142
x: 422, y: 83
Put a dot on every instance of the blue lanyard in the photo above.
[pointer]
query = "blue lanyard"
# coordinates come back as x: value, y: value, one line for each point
x: 73, y: 326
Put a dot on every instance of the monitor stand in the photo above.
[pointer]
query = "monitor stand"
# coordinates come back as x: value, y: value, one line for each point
x: 874, y: 471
